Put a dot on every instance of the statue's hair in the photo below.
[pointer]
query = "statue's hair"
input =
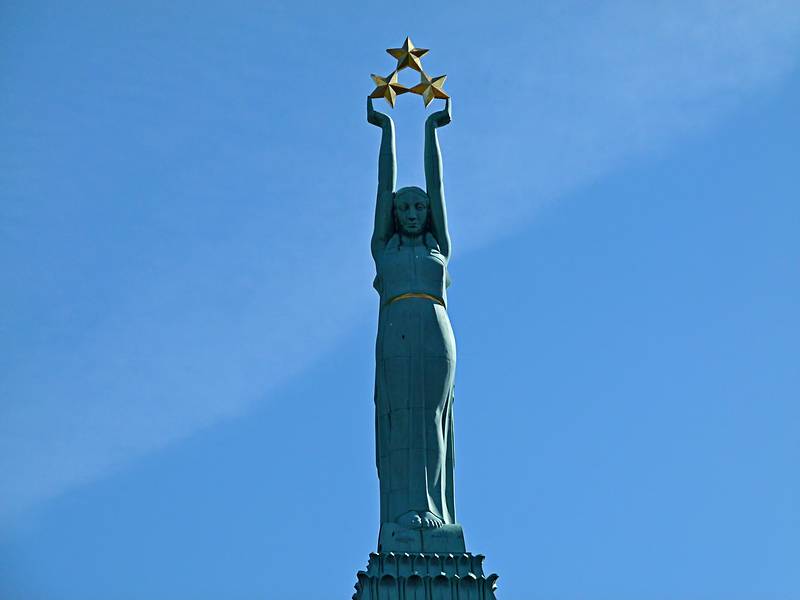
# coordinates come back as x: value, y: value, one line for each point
x: 411, y: 189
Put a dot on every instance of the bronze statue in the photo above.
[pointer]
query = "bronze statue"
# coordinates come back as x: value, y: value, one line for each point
x: 415, y: 354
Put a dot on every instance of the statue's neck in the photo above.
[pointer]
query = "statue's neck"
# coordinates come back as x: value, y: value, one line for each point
x: 412, y: 240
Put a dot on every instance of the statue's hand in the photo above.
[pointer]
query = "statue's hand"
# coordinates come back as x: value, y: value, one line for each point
x: 377, y: 118
x: 441, y: 117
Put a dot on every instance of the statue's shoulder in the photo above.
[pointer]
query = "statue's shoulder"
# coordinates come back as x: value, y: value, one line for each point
x: 431, y: 243
x: 393, y: 245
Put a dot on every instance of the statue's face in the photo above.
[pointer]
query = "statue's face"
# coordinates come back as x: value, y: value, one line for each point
x: 412, y: 213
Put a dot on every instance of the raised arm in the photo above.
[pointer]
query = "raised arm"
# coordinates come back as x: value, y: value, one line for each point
x: 433, y: 178
x: 387, y: 177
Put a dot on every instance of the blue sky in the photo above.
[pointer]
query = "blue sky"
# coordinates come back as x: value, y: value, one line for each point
x: 187, y: 323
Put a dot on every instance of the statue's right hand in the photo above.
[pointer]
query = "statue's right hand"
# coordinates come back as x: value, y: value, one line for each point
x: 376, y: 118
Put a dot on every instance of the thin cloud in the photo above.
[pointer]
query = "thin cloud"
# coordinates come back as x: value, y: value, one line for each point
x: 607, y: 86
x: 211, y: 323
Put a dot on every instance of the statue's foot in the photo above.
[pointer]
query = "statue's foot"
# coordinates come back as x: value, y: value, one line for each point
x: 430, y: 520
x: 410, y: 520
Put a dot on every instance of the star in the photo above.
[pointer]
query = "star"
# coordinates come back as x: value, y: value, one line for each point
x: 430, y: 88
x: 408, y: 55
x: 387, y: 87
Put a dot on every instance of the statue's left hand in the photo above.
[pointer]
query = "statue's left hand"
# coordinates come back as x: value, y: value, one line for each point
x: 441, y: 117
x: 377, y: 118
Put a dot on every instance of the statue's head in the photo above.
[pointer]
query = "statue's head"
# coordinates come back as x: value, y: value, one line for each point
x: 411, y: 207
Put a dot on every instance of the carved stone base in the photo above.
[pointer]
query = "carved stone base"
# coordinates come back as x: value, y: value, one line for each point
x: 447, y: 539
x: 403, y: 576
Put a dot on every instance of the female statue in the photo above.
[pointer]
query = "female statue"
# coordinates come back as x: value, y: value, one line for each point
x: 415, y: 354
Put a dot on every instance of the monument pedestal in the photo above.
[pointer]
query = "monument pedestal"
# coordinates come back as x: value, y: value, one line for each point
x: 425, y: 576
x: 447, y: 539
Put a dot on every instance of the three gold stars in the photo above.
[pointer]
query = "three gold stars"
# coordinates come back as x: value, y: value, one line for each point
x: 408, y: 56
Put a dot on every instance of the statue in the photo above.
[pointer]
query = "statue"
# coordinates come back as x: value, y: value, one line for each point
x: 421, y: 550
x: 415, y: 354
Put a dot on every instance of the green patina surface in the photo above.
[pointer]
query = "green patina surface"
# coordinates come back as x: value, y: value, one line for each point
x: 415, y: 355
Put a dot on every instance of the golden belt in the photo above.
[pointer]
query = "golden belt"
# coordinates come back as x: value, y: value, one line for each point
x: 416, y: 295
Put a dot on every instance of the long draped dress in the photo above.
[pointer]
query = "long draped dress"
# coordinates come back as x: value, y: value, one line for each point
x: 415, y: 358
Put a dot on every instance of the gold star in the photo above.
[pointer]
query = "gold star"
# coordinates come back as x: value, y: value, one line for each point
x: 387, y: 87
x: 408, y: 56
x: 430, y: 88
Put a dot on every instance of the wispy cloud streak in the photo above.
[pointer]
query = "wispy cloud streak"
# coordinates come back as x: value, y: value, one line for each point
x: 138, y: 322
